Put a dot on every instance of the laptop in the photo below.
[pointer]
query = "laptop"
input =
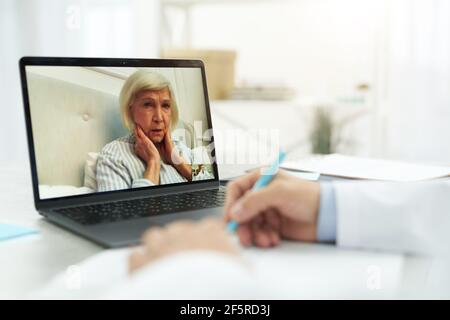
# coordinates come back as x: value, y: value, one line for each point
x: 93, y: 125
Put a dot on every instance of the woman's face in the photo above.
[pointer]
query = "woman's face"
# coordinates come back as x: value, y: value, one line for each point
x: 152, y: 111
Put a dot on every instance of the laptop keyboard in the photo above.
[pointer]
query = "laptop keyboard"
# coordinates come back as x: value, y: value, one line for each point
x: 144, y: 207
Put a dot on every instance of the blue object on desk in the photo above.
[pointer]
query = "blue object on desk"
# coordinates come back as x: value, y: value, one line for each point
x: 9, y: 231
x: 263, y: 181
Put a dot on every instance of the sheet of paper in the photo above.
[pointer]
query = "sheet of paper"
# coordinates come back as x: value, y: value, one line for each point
x: 10, y: 231
x: 365, y: 168
x: 311, y: 176
x: 303, y: 271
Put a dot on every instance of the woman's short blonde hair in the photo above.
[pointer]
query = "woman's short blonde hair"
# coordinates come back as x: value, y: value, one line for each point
x: 140, y: 81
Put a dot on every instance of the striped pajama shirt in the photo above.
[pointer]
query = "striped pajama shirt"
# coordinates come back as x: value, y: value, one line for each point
x: 118, y: 167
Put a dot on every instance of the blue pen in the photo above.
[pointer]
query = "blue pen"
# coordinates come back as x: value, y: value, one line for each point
x: 263, y: 181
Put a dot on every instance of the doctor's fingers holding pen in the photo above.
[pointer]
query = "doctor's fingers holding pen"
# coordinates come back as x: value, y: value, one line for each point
x: 287, y: 208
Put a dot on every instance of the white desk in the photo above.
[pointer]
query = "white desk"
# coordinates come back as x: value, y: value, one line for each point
x: 28, y: 263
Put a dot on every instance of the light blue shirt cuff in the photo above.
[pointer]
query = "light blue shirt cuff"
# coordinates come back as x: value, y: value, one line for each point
x: 326, y: 227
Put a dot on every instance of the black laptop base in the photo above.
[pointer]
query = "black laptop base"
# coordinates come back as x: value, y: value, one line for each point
x: 122, y: 223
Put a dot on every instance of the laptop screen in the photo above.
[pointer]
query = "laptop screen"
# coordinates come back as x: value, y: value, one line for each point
x: 99, y: 129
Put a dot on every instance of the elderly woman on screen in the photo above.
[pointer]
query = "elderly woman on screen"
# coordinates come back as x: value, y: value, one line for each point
x: 148, y: 155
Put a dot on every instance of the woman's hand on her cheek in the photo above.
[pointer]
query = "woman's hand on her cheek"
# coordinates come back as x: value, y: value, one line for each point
x: 146, y: 150
x: 180, y: 236
x: 287, y: 208
x: 166, y: 147
x: 169, y: 151
x: 144, y: 147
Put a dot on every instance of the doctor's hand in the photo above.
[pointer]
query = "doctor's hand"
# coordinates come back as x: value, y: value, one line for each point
x: 285, y: 209
x: 146, y: 150
x: 208, y: 234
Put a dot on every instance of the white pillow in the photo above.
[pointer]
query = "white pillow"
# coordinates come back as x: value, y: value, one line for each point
x: 90, y: 171
x: 46, y: 191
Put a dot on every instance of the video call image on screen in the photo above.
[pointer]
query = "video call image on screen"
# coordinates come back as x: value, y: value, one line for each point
x: 98, y: 129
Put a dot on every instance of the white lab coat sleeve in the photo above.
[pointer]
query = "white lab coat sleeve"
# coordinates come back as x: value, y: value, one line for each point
x: 401, y: 217
x: 197, y: 274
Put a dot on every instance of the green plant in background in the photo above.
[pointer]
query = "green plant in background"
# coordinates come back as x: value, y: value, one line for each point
x: 327, y: 133
x: 322, y: 136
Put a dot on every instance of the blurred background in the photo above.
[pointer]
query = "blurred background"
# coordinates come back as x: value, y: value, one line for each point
x: 358, y: 77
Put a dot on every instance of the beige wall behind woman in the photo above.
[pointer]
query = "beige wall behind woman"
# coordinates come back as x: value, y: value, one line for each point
x: 186, y: 82
x: 68, y: 122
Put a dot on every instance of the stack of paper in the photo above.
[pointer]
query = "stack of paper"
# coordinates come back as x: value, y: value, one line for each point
x: 363, y: 168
